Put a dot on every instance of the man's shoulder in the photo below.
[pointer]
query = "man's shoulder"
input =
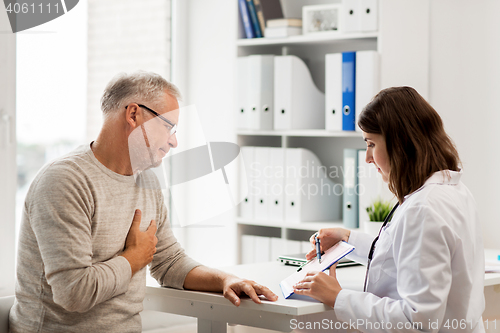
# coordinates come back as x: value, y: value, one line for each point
x: 69, y: 166
x: 78, y: 154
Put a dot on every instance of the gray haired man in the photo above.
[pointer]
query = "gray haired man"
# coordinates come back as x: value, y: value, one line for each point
x: 88, y: 230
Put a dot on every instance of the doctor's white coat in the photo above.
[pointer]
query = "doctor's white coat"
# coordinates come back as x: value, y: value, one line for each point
x: 427, y: 271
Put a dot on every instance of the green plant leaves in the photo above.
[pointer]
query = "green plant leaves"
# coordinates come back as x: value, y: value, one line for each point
x: 379, y: 210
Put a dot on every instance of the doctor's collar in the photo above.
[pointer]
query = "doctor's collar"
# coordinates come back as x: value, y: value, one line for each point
x: 442, y: 177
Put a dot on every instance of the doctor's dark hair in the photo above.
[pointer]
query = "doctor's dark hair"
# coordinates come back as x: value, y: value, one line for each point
x: 417, y: 144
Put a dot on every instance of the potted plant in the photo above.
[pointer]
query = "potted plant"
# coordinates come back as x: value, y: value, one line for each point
x: 377, y: 213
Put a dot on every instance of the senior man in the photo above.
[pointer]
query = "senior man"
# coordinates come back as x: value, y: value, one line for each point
x: 88, y: 230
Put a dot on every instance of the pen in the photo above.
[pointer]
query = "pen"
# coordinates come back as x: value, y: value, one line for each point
x: 318, y: 248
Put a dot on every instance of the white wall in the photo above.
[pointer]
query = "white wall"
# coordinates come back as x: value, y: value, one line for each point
x: 7, y: 154
x: 207, y: 82
x: 465, y: 90
x: 124, y: 36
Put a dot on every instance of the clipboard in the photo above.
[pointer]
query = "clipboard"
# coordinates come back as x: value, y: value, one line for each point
x: 331, y: 256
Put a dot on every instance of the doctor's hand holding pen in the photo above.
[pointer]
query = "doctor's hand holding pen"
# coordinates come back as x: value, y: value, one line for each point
x: 328, y: 237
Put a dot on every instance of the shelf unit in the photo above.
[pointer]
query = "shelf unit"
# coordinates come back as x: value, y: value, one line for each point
x: 302, y: 133
x: 328, y: 146
x: 403, y: 44
x: 313, y: 38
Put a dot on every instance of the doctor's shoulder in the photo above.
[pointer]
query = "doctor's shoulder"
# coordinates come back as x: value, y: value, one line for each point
x: 427, y: 207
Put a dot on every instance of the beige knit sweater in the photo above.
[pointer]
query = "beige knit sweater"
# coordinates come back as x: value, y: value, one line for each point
x: 70, y: 275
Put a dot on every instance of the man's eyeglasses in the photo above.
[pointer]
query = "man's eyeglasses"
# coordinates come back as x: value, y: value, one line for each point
x: 172, y: 128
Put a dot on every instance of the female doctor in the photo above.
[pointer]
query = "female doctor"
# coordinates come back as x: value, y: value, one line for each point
x: 427, y: 267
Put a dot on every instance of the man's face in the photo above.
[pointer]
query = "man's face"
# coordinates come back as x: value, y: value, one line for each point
x: 152, y: 140
x: 158, y: 130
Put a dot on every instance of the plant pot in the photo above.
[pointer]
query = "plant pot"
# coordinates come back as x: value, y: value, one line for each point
x: 372, y: 227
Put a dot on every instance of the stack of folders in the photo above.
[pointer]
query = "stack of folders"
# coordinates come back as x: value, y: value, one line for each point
x: 277, y: 92
x: 287, y: 185
x: 362, y: 185
x: 255, y: 92
x: 283, y: 27
x: 351, y: 80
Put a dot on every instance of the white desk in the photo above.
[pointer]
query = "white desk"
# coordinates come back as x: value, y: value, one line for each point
x: 214, y: 312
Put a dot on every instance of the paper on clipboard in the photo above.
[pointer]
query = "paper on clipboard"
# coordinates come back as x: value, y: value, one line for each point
x: 331, y: 256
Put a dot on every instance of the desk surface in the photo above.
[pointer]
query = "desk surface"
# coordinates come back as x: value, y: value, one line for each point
x: 349, y: 277
x: 213, y: 309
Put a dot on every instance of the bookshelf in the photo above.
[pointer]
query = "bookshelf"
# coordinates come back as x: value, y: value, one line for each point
x: 301, y: 133
x: 314, y: 38
x: 403, y: 45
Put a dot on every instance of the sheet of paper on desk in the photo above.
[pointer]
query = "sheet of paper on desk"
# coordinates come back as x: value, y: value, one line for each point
x: 331, y: 256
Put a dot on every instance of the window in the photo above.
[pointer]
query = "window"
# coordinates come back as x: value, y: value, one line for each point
x: 51, y: 94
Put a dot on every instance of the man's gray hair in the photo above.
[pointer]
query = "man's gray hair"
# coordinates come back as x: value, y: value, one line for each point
x: 138, y: 87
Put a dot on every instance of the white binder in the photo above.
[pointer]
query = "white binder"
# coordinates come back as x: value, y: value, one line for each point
x: 310, y: 194
x: 261, y: 185
x: 369, y: 15
x: 306, y: 246
x: 248, y: 249
x: 246, y: 179
x: 293, y: 246
x: 333, y: 91
x: 350, y: 196
x: 371, y: 186
x: 260, y: 91
x: 351, y: 15
x: 298, y: 103
x: 242, y: 101
x: 277, y: 247
x: 276, y: 207
x: 367, y: 79
x: 262, y: 249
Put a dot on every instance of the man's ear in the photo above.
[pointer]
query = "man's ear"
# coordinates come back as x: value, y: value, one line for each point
x: 133, y: 116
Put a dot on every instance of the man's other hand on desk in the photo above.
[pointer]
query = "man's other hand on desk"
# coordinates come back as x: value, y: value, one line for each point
x: 234, y: 286
x: 203, y: 278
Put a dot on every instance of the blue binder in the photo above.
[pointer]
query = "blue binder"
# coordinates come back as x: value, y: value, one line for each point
x: 245, y: 18
x: 350, y: 197
x: 348, y: 91
x: 254, y: 19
